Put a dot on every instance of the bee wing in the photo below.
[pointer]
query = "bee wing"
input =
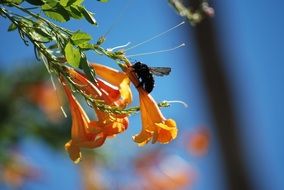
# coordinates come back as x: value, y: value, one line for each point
x: 160, y: 71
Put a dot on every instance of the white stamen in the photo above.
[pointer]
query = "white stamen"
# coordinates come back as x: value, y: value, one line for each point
x: 63, y: 111
x: 117, y: 47
x: 44, y: 60
x: 52, y: 81
x: 177, y: 101
x: 154, y: 52
x: 156, y: 36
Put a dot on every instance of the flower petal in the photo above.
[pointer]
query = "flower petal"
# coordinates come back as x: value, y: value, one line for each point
x: 142, y: 138
x: 116, y: 78
x: 74, y: 151
x: 166, y: 132
x: 109, y: 74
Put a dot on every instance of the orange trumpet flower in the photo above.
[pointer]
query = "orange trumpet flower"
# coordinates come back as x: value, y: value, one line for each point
x: 154, y: 125
x: 116, y: 78
x: 86, y: 133
x: 80, y: 130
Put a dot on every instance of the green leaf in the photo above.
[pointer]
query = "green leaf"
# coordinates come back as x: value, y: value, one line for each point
x: 101, y: 40
x: 35, y: 2
x: 15, y: 1
x: 72, y: 54
x: 53, y: 46
x: 57, y: 13
x: 51, y: 3
x: 80, y: 37
x: 40, y: 35
x: 64, y: 2
x: 67, y: 3
x: 78, y: 2
x: 103, y: 1
x: 12, y: 27
x: 74, y: 12
x: 90, y: 73
x: 88, y: 15
x: 86, y: 46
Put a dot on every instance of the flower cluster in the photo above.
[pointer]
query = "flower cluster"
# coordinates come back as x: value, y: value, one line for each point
x: 112, y: 87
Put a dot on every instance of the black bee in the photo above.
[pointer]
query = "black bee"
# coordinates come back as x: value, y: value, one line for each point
x: 145, y: 74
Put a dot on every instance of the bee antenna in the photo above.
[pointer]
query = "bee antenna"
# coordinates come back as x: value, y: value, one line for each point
x: 156, y: 36
x: 159, y: 51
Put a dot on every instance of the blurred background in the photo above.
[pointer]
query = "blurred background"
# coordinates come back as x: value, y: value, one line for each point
x: 229, y: 73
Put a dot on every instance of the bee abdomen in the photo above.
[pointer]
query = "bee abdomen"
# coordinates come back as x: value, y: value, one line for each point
x: 149, y: 83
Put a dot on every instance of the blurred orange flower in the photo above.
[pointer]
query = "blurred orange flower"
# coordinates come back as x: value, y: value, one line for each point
x: 162, y: 171
x: 16, y: 171
x: 199, y: 141
x: 44, y: 95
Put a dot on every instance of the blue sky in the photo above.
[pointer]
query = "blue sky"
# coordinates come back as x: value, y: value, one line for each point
x: 251, y: 37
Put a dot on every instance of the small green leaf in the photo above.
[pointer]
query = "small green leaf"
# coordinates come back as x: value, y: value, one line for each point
x: 80, y: 37
x: 35, y: 2
x: 103, y: 1
x: 86, y: 46
x: 53, y: 46
x: 101, y: 40
x: 72, y: 54
x: 78, y: 2
x: 15, y: 1
x: 57, y: 13
x: 51, y: 3
x: 74, y: 12
x: 12, y: 27
x: 90, y: 73
x: 88, y: 15
x: 64, y: 2
x: 41, y: 35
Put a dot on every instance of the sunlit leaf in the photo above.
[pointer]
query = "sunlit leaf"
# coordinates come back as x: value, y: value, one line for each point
x: 57, y: 13
x: 86, y: 46
x: 15, y: 1
x: 72, y: 54
x: 51, y: 3
x: 67, y: 3
x: 80, y: 37
x: 64, y: 2
x: 103, y: 1
x: 74, y: 12
x: 78, y: 2
x: 12, y: 27
x: 90, y: 73
x: 40, y: 35
x: 88, y: 15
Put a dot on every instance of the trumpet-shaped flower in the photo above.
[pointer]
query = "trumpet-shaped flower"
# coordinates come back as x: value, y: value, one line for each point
x: 109, y: 125
x: 116, y: 78
x: 86, y: 133
x: 154, y: 125
x: 80, y: 135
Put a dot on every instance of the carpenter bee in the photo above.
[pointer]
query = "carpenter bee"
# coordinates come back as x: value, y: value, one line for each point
x: 145, y: 74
